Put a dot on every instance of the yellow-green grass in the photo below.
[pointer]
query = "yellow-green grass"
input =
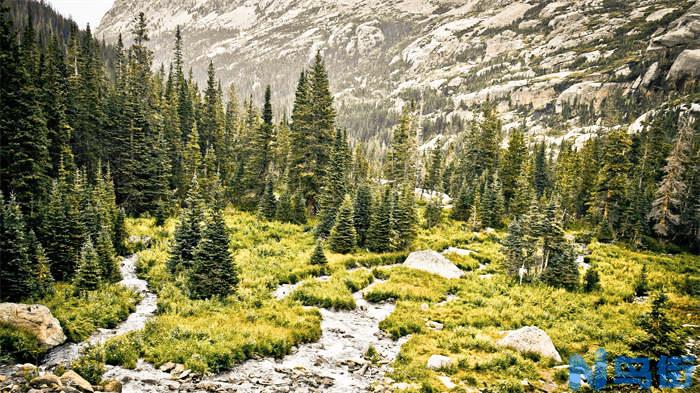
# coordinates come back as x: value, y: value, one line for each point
x: 211, y: 335
x: 578, y: 323
x: 335, y: 292
x: 409, y: 284
x: 81, y: 315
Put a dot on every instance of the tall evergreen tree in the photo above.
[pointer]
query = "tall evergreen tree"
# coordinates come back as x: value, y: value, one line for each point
x: 213, y: 271
x: 610, y: 191
x: 513, y: 164
x: 43, y: 280
x: 106, y: 255
x: 665, y: 211
x: 540, y: 175
x: 343, y: 237
x: 188, y: 232
x: 378, y: 234
x: 267, y: 207
x: 260, y: 152
x: 16, y: 273
x: 335, y: 186
x: 87, y: 275
x: 24, y: 155
x: 404, y: 218
x: 362, y: 211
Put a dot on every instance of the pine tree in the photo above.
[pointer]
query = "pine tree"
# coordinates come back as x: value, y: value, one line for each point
x: 318, y: 257
x: 311, y: 133
x: 211, y: 129
x: 298, y: 209
x: 400, y: 155
x: 378, y: 234
x: 63, y: 232
x: 213, y: 271
x: 515, y: 249
x: 188, y: 232
x: 24, y: 155
x: 267, y: 207
x: 362, y: 210
x: 284, y: 211
x: 106, y: 255
x: 405, y: 219
x: 302, y: 177
x: 119, y: 235
x: 513, y: 165
x: 663, y: 335
x: 591, y: 280
x: 434, y: 171
x: 433, y: 212
x: 665, y: 209
x: 540, y: 175
x: 641, y: 287
x: 462, y: 206
x: 610, y: 191
x: 87, y: 275
x: 562, y: 270
x: 260, y: 152
x: 16, y: 274
x: 343, y: 237
x: 336, y: 184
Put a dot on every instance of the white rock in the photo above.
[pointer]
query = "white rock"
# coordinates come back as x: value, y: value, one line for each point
x: 447, y: 382
x: 531, y: 339
x: 433, y: 262
x: 687, y: 65
x: 438, y: 362
x: 36, y: 319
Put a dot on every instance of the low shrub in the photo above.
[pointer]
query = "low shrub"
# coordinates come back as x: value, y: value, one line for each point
x: 18, y: 345
x: 91, y: 365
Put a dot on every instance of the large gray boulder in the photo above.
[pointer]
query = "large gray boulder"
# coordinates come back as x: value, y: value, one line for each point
x: 530, y: 339
x: 35, y: 319
x: 686, y: 66
x: 432, y: 262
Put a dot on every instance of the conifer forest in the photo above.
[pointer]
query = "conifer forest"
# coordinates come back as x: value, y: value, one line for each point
x: 353, y: 218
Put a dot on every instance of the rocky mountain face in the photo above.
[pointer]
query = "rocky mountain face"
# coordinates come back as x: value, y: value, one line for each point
x: 552, y: 65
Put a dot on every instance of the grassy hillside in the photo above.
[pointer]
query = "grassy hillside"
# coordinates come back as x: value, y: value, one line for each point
x: 212, y: 335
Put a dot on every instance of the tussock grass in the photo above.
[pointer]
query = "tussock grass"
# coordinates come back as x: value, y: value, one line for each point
x: 334, y: 293
x: 408, y: 284
x: 80, y: 316
x: 577, y: 322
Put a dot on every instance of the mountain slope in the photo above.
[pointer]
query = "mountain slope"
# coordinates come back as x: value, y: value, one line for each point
x: 549, y: 62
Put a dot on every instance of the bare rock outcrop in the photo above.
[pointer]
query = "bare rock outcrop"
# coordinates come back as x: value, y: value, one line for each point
x: 36, y: 319
x: 433, y: 262
x: 531, y: 339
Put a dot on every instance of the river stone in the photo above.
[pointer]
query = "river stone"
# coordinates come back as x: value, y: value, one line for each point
x: 46, y: 379
x: 35, y: 319
x: 438, y: 362
x: 178, y: 369
x: 112, y: 386
x: 167, y: 367
x: 433, y: 262
x: 687, y: 65
x: 71, y: 378
x: 447, y: 382
x: 530, y: 339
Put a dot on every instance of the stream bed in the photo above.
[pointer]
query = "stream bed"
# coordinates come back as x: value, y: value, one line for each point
x: 145, y: 309
x: 335, y: 363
